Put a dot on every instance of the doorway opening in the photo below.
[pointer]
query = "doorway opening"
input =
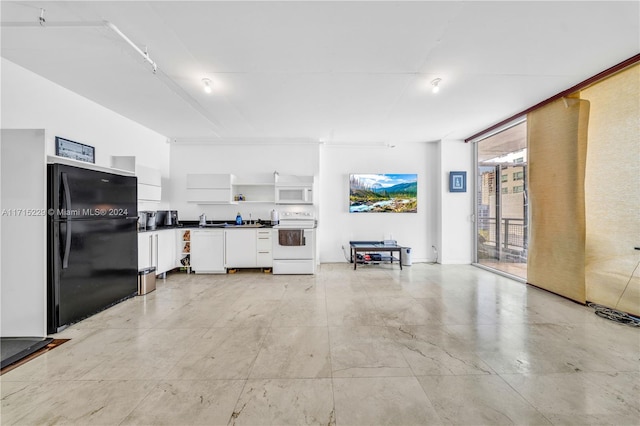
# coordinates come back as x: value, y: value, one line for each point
x: 502, y: 221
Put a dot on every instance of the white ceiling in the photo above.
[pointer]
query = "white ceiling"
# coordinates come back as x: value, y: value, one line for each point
x: 342, y: 72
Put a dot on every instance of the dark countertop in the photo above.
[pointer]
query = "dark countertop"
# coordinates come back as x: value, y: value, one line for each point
x: 161, y: 228
x: 211, y: 224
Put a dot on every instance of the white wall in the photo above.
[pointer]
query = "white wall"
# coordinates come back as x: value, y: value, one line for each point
x: 23, y: 267
x: 32, y: 102
x: 338, y: 226
x: 455, y: 226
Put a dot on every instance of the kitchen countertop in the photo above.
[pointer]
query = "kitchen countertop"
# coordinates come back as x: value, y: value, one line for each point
x: 163, y: 228
x: 195, y: 224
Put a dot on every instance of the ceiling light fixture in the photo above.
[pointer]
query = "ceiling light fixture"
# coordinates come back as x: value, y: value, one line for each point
x: 207, y: 85
x: 144, y: 53
x: 164, y: 78
x: 435, y: 83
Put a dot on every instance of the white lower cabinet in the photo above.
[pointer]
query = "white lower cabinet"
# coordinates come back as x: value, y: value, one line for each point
x: 216, y: 250
x: 158, y: 249
x: 248, y: 248
x: 144, y: 250
x: 240, y: 248
x: 264, y: 255
x: 166, y: 250
x: 208, y: 250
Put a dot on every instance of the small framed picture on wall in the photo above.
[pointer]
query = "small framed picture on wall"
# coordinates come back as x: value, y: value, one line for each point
x: 457, y: 181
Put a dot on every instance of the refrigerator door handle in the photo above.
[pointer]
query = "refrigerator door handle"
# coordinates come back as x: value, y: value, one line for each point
x: 67, y: 194
x: 67, y: 246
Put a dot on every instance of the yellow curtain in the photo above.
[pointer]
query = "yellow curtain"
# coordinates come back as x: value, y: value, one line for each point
x: 557, y: 151
x: 613, y: 192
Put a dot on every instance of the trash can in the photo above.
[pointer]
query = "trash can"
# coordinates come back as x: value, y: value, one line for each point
x: 406, y: 256
x: 146, y: 280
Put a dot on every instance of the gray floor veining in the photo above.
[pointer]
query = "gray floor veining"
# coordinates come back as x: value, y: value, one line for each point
x: 432, y: 344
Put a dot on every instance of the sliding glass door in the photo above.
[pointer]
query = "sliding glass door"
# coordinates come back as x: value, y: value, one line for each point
x: 501, y: 208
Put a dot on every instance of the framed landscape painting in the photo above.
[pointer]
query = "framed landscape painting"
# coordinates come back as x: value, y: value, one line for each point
x: 383, y: 193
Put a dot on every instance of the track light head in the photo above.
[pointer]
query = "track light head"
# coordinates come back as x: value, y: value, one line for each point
x: 435, y: 83
x: 207, y: 85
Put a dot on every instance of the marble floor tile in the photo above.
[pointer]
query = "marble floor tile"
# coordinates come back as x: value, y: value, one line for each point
x: 301, y: 312
x: 421, y: 288
x: 197, y: 314
x: 423, y: 349
x: 285, y: 402
x: 56, y: 365
x: 431, y: 344
x: 560, y: 358
x: 102, y: 341
x: 293, y: 352
x: 222, y: 353
x: 78, y: 402
x: 187, y: 402
x: 582, y: 398
x: 271, y: 288
x: 133, y: 314
x: 134, y: 366
x: 479, y: 400
x: 366, y: 352
x: 303, y: 289
x: 352, y: 311
x: 386, y: 289
x: 338, y: 289
x: 382, y: 401
x: 249, y: 312
x: 398, y: 311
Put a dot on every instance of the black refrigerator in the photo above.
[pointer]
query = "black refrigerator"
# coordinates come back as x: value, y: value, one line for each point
x: 92, y: 242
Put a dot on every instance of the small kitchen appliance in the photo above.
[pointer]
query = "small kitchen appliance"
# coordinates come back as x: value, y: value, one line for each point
x: 274, y: 218
x: 161, y: 218
x: 142, y: 221
x: 172, y: 218
x: 151, y: 220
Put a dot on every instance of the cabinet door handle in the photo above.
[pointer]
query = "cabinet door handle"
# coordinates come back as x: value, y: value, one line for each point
x: 157, y: 253
x: 150, y: 250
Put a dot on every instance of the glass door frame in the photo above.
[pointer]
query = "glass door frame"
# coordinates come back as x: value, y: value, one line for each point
x: 476, y: 187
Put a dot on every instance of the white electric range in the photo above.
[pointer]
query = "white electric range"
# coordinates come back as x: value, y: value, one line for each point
x: 294, y: 248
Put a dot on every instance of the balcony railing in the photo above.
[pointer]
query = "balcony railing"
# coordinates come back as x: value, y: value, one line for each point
x: 506, y: 239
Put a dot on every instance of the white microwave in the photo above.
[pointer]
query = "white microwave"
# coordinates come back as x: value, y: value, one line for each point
x: 299, y: 194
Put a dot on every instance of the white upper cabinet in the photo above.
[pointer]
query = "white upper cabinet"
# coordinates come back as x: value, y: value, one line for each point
x: 149, y: 178
x: 205, y: 181
x: 209, y: 188
x: 255, y: 188
x: 294, y: 180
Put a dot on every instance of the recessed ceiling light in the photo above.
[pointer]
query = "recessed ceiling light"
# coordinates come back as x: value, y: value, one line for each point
x: 207, y: 85
x: 435, y: 83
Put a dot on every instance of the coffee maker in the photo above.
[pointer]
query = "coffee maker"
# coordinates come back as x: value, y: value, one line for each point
x: 172, y: 218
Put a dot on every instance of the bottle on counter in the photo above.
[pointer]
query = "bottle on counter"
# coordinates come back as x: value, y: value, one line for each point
x: 238, y: 219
